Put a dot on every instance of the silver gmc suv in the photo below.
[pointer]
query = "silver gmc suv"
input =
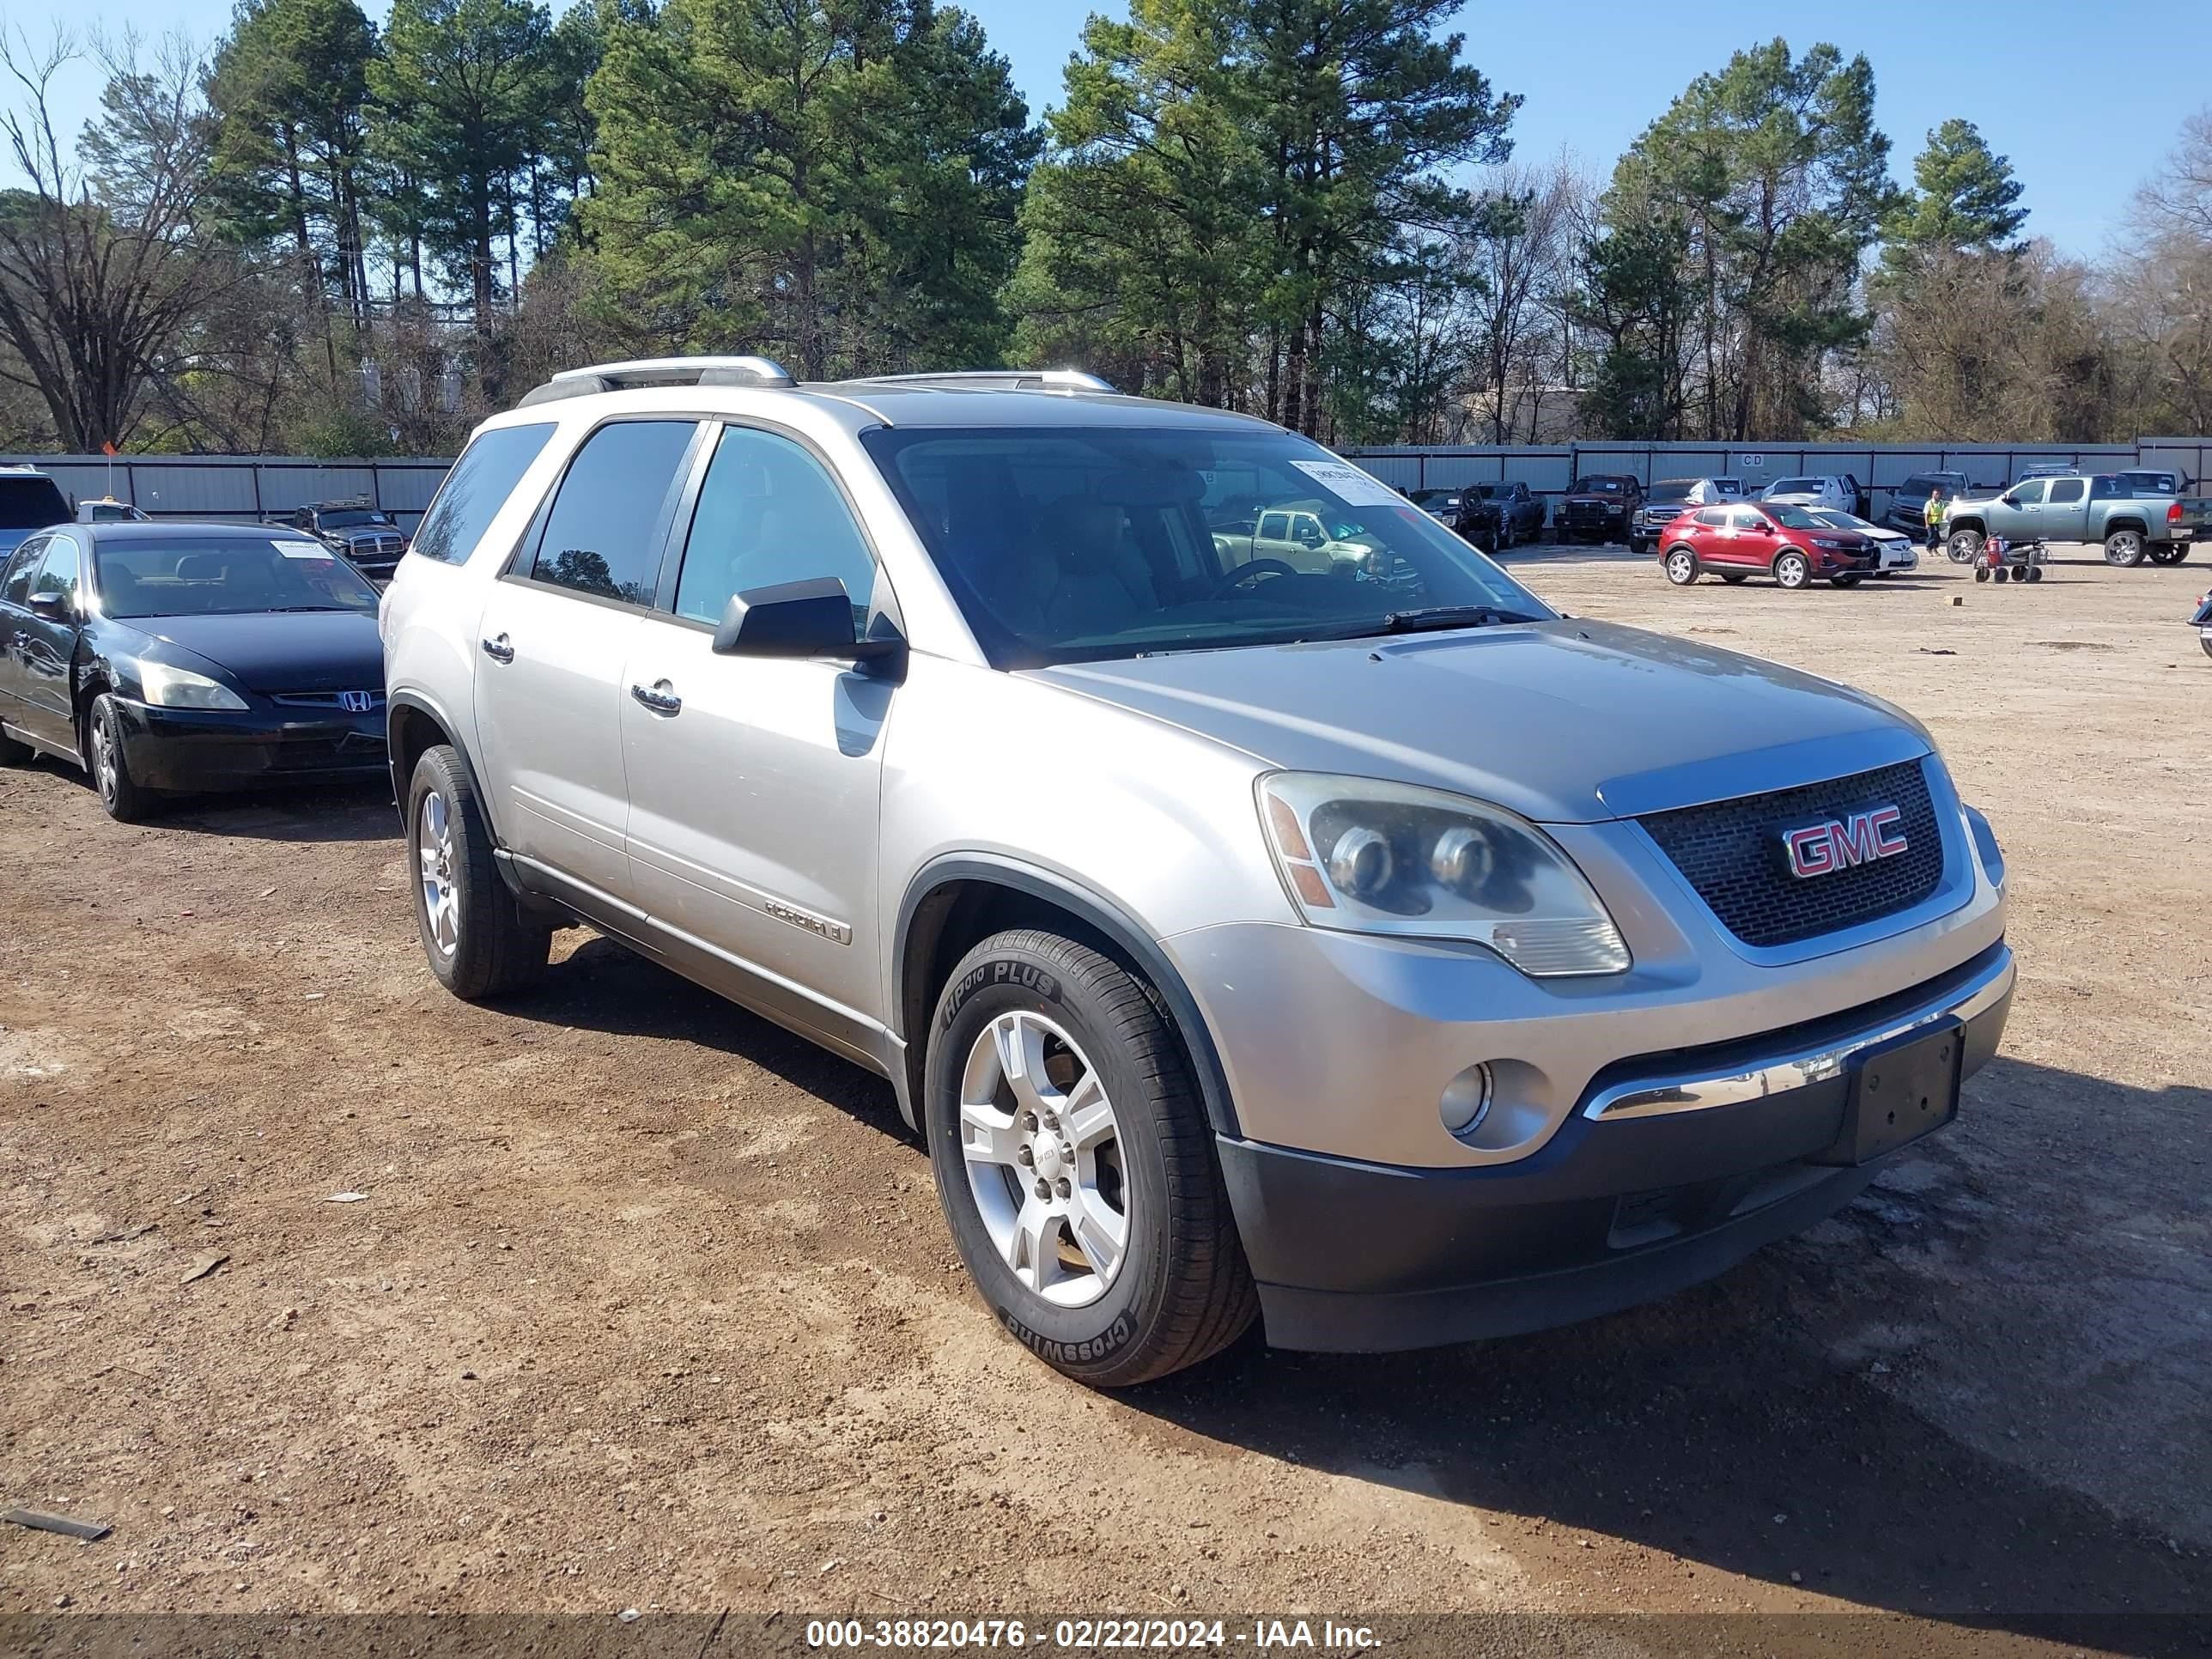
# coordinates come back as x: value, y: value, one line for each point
x: 1260, y: 903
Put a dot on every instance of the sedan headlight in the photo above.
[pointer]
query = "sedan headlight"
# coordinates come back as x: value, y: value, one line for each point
x: 1363, y: 856
x: 169, y: 687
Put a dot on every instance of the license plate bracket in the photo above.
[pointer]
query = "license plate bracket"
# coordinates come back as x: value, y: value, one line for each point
x: 1901, y: 1091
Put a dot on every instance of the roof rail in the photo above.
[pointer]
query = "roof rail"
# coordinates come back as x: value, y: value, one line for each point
x: 1001, y: 379
x: 763, y: 371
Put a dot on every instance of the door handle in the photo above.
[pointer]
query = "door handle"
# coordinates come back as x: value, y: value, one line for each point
x: 661, y: 698
x: 498, y: 649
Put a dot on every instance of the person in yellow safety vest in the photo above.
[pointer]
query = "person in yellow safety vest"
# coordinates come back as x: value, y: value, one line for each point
x: 1933, y: 514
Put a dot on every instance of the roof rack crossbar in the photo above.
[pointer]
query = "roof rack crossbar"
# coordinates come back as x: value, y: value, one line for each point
x: 761, y: 372
x: 1004, y: 380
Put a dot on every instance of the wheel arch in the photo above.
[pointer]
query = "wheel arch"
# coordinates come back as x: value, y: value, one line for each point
x: 956, y: 901
x: 2114, y: 527
x: 412, y: 725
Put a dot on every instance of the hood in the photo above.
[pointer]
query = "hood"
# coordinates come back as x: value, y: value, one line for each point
x: 1566, y: 722
x: 281, y: 651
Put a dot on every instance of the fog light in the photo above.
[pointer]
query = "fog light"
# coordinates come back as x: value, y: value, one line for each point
x: 1465, y: 1098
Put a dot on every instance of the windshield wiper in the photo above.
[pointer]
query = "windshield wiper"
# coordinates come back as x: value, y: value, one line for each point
x: 1429, y: 617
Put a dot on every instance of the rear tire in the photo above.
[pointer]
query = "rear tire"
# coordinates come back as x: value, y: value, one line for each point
x: 2168, y: 552
x: 1793, y: 570
x: 2124, y: 548
x: 479, y: 941
x: 1175, y: 1289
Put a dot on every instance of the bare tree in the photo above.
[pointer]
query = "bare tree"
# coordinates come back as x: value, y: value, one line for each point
x: 1520, y: 255
x: 102, y: 263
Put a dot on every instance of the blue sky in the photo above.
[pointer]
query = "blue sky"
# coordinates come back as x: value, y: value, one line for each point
x: 2032, y: 74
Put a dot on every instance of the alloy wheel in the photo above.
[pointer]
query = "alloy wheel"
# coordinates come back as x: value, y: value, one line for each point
x: 1042, y: 1150
x: 106, y: 758
x: 434, y: 850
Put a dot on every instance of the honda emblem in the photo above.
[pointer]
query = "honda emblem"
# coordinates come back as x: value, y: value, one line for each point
x: 356, y: 702
x: 1823, y: 848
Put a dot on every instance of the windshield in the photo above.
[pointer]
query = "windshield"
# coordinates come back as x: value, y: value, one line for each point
x: 1671, y: 489
x: 1436, y: 498
x: 1597, y: 486
x: 1072, y: 544
x: 350, y: 519
x: 30, y: 503
x: 1795, y: 487
x: 205, y: 577
x: 1793, y: 518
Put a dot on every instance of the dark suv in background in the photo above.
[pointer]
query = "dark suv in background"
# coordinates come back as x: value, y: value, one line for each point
x: 1908, y: 502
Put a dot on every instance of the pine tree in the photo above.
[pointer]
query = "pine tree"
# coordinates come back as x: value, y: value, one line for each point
x: 1963, y: 199
x: 460, y: 95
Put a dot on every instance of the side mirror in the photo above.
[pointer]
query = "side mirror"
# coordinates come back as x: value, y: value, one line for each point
x: 54, y: 607
x: 803, y: 619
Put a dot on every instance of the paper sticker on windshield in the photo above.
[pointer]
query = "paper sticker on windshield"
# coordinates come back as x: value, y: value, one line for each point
x: 1349, y: 484
x: 303, y: 550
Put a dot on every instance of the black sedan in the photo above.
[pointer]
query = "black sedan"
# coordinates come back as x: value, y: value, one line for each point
x: 166, y: 657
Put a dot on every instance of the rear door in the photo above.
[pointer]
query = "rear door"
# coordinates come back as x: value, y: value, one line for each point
x: 555, y: 635
x: 753, y: 781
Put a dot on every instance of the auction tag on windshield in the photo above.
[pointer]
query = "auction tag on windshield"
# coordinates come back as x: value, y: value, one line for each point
x: 1349, y: 484
x: 303, y: 550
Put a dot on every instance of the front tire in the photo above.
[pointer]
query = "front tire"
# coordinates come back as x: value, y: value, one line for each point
x: 122, y: 797
x: 480, y: 942
x: 2124, y: 548
x: 1682, y: 566
x: 1075, y: 1165
x: 1793, y: 570
x: 1963, y: 546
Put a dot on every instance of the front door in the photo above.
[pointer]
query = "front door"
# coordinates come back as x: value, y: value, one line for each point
x: 754, y: 782
x: 36, y: 652
x: 2017, y: 515
x: 555, y: 637
x: 2066, y: 510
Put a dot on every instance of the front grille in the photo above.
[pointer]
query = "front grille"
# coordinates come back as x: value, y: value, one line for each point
x: 1731, y: 853
x: 332, y: 700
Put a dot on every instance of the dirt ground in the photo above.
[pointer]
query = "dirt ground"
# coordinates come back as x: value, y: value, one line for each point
x: 648, y: 1305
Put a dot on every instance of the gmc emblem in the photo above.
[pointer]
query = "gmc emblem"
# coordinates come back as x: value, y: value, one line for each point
x: 1821, y: 850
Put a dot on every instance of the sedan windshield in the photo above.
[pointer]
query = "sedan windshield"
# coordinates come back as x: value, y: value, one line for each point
x: 205, y: 577
x: 1071, y: 544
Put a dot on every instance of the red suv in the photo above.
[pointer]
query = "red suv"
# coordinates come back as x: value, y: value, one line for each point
x: 1764, y: 538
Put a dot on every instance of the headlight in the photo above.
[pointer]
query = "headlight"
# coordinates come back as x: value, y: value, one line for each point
x: 168, y: 687
x: 1368, y: 857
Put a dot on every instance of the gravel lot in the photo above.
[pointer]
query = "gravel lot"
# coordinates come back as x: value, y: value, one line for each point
x: 649, y: 1305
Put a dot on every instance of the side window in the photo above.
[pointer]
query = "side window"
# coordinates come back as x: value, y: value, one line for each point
x: 1743, y: 518
x: 1274, y: 527
x: 599, y: 538
x: 16, y: 587
x: 2063, y: 491
x: 58, y: 573
x: 1712, y: 515
x: 474, y: 491
x: 769, y: 513
x: 2029, y: 494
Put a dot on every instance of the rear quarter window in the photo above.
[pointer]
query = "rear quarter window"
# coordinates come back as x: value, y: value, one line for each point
x: 476, y: 489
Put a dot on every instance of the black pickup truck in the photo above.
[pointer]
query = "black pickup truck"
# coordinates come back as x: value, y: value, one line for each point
x: 1598, y: 509
x: 368, y: 538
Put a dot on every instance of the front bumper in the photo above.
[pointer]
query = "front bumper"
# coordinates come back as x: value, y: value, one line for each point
x: 193, y: 749
x: 1672, y: 1168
